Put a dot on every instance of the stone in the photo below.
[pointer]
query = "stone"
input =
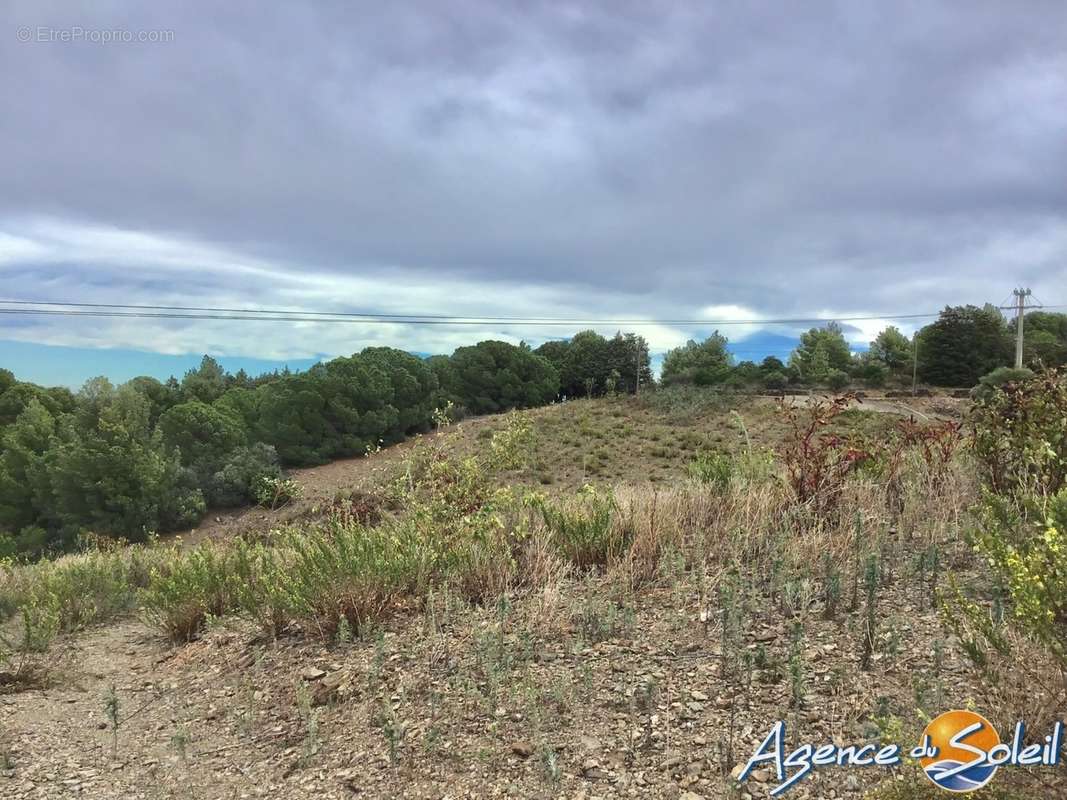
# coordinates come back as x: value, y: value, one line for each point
x: 328, y: 688
x: 522, y: 749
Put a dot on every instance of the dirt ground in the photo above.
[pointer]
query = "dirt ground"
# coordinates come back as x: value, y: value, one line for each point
x: 643, y: 712
x: 590, y: 693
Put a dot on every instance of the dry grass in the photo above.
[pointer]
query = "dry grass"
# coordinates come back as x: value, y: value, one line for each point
x: 652, y: 563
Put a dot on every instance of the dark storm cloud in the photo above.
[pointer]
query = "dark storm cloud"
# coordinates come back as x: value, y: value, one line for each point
x: 785, y: 158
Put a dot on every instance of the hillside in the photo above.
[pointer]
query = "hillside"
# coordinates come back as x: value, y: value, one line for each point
x: 622, y: 440
x: 636, y: 639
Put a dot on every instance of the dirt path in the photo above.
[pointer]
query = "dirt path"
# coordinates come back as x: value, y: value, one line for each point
x: 925, y: 409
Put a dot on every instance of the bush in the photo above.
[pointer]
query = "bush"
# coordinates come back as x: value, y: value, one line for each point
x: 837, y: 379
x: 988, y: 384
x: 274, y: 492
x: 715, y: 469
x: 1021, y: 446
x: 84, y: 589
x: 1020, y: 435
x: 245, y: 469
x: 775, y: 380
x: 1027, y: 550
x: 509, y: 448
x: 818, y: 462
x: 184, y: 592
x: 355, y: 574
x: 584, y: 532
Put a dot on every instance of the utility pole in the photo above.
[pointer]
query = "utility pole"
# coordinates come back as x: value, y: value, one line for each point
x: 1020, y: 295
x: 1020, y: 307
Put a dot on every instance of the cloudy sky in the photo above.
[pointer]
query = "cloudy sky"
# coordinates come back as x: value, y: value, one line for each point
x: 615, y: 160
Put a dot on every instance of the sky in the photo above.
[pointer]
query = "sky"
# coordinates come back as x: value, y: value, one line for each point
x: 674, y: 161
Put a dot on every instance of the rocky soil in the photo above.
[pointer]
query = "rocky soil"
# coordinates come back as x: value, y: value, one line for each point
x: 571, y: 695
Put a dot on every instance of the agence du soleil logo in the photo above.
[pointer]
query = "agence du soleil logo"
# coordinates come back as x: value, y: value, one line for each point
x: 960, y: 752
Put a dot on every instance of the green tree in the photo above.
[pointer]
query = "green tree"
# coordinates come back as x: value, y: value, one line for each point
x: 206, y: 383
x: 628, y: 355
x: 203, y: 435
x: 820, y: 351
x: 494, y: 376
x: 587, y: 360
x: 964, y: 344
x: 892, y: 349
x: 589, y: 356
x: 16, y: 399
x: 772, y: 364
x: 161, y: 396
x: 292, y: 419
x: 242, y: 403
x: 109, y: 472
x: 1044, y: 340
x: 700, y: 363
x: 23, y: 477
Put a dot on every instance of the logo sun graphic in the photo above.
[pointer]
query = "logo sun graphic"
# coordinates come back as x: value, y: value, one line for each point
x: 962, y: 740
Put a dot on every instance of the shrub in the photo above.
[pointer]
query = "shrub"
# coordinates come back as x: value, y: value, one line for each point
x: 837, y: 379
x: 83, y: 589
x: 989, y: 383
x: 263, y: 589
x: 509, y: 448
x: 245, y: 470
x: 274, y: 492
x: 818, y: 462
x: 189, y: 588
x: 584, y: 531
x: 1027, y: 550
x: 715, y: 469
x: 1020, y: 435
x: 355, y: 574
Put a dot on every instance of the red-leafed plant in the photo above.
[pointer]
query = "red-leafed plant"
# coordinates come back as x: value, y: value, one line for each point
x: 817, y: 461
x: 936, y: 443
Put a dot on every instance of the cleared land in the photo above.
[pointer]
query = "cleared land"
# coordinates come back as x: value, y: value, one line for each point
x: 649, y: 662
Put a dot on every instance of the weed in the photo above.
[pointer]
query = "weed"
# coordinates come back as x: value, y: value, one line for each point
x: 797, y: 686
x: 818, y: 463
x: 274, y: 493
x: 310, y: 720
x: 511, y: 446
x: 111, y: 711
x: 444, y: 416
x: 550, y: 766
x: 871, y: 618
x: 831, y: 587
x: 394, y: 732
x: 180, y: 742
x: 584, y: 531
x: 713, y: 469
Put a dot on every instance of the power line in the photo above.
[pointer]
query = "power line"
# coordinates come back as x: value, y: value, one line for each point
x: 74, y: 309
x: 120, y: 310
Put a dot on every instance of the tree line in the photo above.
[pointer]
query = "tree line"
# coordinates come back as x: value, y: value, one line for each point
x: 151, y: 456
x: 965, y: 345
